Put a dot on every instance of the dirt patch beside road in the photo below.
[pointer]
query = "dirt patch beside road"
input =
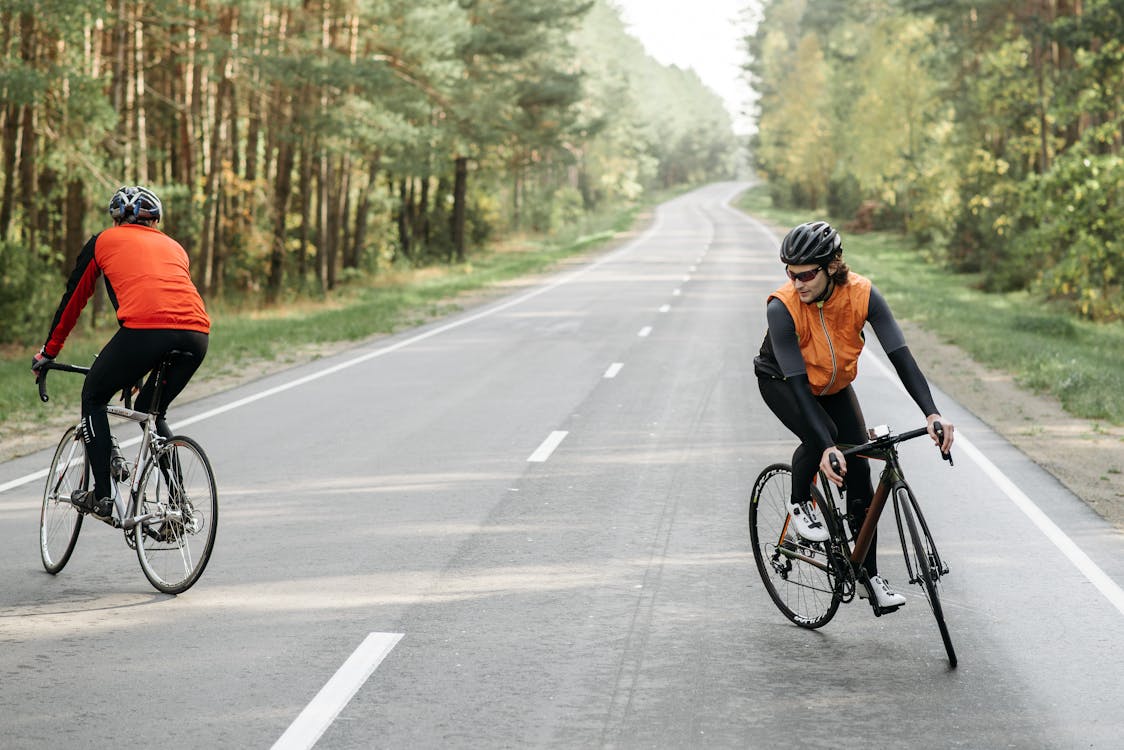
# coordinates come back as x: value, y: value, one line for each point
x: 1086, y: 456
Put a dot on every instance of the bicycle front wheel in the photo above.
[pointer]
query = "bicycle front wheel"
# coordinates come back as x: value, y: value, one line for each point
x: 794, y: 571
x: 178, y: 497
x: 921, y: 561
x: 59, y: 520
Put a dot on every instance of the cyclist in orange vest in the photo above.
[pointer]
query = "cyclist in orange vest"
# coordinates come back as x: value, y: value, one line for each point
x: 159, y: 310
x: 805, y: 369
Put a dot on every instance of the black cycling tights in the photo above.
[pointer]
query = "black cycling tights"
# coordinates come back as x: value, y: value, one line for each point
x: 122, y: 362
x: 844, y: 417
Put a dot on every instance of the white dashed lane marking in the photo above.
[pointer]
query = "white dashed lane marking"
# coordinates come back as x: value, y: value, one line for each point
x: 553, y: 440
x: 318, y: 715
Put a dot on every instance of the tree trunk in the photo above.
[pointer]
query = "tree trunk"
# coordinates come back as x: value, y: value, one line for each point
x: 212, y: 187
x: 423, y: 213
x: 75, y: 213
x: 139, y: 105
x: 359, y: 239
x: 282, y: 188
x: 402, y: 219
x: 460, y: 213
x: 344, y: 223
x: 10, y: 135
x: 182, y: 167
x: 28, y: 167
x: 306, y: 196
x: 323, y: 212
x: 337, y: 234
x: 28, y: 177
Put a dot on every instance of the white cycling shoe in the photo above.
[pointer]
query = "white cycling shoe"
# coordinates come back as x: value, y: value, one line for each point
x: 807, y: 522
x: 884, y: 596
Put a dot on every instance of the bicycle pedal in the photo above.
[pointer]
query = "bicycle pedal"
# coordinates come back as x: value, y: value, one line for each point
x: 879, y: 611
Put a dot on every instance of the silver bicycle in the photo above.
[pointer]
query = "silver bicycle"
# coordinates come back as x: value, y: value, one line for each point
x: 166, y: 502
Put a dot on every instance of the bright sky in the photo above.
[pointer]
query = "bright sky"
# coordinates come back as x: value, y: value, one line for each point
x: 704, y: 35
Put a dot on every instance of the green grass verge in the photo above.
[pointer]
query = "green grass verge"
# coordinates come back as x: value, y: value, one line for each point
x: 1045, y: 349
x: 380, y: 305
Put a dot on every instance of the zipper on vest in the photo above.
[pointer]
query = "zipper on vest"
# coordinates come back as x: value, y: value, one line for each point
x: 831, y: 348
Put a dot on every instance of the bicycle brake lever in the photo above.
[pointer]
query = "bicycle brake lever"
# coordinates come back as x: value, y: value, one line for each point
x: 938, y: 428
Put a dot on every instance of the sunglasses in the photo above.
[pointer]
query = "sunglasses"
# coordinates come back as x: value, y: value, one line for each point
x: 804, y: 276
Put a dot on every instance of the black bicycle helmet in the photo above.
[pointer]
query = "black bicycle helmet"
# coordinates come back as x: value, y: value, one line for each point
x: 813, y: 242
x: 132, y: 204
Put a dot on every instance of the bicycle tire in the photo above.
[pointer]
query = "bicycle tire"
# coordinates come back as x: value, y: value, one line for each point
x: 793, y: 570
x: 919, y: 554
x: 59, y: 520
x: 178, y: 486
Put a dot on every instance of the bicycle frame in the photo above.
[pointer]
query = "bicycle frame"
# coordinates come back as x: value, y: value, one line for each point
x: 891, y: 478
x: 808, y: 580
x: 150, y: 439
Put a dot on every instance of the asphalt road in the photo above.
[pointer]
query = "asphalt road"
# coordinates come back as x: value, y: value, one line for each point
x: 525, y: 526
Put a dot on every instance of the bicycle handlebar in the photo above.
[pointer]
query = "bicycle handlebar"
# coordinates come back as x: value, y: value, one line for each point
x: 41, y: 378
x: 126, y: 393
x: 886, y: 441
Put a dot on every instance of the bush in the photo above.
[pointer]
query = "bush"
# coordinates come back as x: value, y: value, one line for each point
x: 29, y: 293
x: 1071, y: 220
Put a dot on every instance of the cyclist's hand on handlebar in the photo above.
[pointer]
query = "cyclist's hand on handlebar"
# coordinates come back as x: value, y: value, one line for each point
x: 40, y: 359
x: 945, y: 438
x: 834, y: 465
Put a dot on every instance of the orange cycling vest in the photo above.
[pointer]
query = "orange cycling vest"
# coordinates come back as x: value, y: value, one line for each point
x: 830, y: 333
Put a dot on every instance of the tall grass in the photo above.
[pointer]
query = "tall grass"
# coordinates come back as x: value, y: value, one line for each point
x: 1045, y: 348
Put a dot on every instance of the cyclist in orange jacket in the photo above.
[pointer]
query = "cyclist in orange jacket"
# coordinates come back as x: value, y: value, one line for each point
x: 805, y: 369
x: 158, y: 309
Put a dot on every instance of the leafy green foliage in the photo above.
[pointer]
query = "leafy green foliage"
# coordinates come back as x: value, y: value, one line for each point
x: 296, y: 144
x: 988, y: 130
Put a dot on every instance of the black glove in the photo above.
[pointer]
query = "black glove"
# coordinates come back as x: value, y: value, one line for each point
x: 39, y: 360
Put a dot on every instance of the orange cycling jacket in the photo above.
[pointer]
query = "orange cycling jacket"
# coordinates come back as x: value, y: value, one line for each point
x: 147, y: 277
x: 830, y: 333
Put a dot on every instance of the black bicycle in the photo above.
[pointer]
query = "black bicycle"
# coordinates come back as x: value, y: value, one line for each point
x: 166, y: 502
x: 809, y: 580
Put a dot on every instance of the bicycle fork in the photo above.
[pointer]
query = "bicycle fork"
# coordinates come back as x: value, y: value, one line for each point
x: 865, y: 539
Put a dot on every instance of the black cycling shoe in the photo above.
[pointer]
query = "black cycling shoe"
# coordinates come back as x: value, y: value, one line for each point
x: 85, y: 501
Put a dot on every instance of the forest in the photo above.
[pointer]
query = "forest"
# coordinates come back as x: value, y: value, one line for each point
x: 302, y: 144
x: 988, y: 131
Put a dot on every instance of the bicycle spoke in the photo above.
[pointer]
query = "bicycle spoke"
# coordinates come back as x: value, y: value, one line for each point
x: 59, y: 520
x: 795, y: 572
x: 178, y: 488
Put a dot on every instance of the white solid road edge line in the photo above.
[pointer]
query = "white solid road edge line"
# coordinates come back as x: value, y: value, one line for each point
x: 1067, y: 546
x: 553, y: 440
x: 318, y: 715
x: 1108, y: 587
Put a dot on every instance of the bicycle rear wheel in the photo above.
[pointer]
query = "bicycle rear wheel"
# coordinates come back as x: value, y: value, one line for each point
x: 794, y: 571
x: 921, y: 562
x: 178, y: 489
x: 59, y: 520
